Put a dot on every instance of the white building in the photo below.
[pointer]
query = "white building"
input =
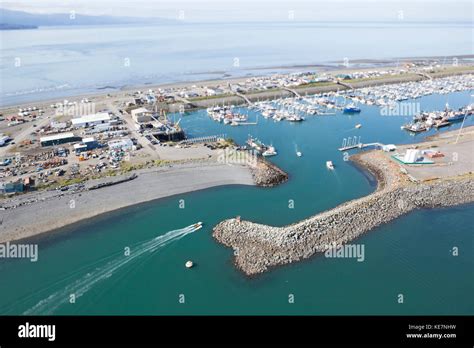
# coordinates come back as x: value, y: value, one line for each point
x: 141, y: 115
x: 412, y: 156
x: 214, y: 91
x: 91, y: 120
x: 124, y: 144
x: 389, y: 147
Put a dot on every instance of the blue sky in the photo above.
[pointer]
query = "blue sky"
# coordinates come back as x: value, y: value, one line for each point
x: 237, y: 10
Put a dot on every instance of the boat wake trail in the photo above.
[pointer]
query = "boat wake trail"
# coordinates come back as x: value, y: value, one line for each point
x: 86, y: 282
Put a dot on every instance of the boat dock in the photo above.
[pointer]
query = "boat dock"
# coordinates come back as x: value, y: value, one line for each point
x: 185, y: 101
x: 244, y: 97
x: 424, y: 75
x: 244, y: 124
x: 360, y: 146
x: 345, y: 84
x: 292, y: 91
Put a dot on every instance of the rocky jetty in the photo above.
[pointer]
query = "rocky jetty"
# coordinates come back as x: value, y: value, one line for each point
x: 258, y: 247
x: 266, y: 174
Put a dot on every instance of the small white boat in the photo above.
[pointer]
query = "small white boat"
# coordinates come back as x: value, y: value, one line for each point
x: 330, y: 165
x: 358, y: 125
x: 299, y: 154
x: 189, y: 264
x: 270, y: 151
x: 198, y: 225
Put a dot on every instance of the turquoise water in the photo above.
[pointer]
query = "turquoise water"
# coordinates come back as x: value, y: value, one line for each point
x: 409, y: 256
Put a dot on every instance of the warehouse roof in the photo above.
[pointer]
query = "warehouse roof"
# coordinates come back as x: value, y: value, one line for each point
x: 58, y: 136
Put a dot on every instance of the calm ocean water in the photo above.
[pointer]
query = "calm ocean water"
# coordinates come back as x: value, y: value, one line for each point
x: 409, y: 256
x: 62, y: 61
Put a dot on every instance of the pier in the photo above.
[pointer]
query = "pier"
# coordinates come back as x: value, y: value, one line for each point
x: 185, y: 101
x: 359, y: 146
x: 262, y: 247
x: 345, y: 84
x: 206, y: 139
x: 244, y: 124
x: 424, y: 75
x: 249, y: 102
x: 292, y: 91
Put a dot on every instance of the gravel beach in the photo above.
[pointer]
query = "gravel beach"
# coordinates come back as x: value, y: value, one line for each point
x: 37, y: 212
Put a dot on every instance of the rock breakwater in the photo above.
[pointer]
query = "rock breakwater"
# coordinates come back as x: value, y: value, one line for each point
x: 266, y: 174
x: 259, y: 247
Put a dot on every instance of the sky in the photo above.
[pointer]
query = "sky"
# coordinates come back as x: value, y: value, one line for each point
x: 257, y: 10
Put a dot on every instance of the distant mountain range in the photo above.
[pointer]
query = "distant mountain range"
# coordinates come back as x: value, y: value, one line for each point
x: 24, y: 20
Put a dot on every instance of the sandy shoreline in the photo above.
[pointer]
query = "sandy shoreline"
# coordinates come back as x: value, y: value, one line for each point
x: 53, y: 210
x: 115, y: 91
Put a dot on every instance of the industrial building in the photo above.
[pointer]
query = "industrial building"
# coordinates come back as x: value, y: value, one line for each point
x: 141, y: 115
x: 11, y: 187
x: 86, y: 144
x: 60, y: 138
x: 124, y: 144
x: 91, y: 120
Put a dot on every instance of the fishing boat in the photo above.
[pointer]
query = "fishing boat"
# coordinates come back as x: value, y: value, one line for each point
x: 358, y: 125
x: 295, y: 118
x: 270, y: 151
x: 441, y: 124
x: 414, y: 127
x: 255, y: 144
x: 455, y: 117
x: 237, y: 118
x: 329, y: 165
x: 351, y: 109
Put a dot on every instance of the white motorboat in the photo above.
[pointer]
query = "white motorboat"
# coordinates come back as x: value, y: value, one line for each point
x: 270, y: 151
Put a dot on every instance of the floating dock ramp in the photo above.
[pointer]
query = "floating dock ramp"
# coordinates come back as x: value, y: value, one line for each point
x: 360, y: 146
x: 292, y: 91
x: 185, y: 101
x: 424, y: 75
x: 244, y: 97
x: 345, y: 84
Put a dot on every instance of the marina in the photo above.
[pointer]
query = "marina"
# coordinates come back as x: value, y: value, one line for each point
x: 119, y: 142
x: 309, y: 198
